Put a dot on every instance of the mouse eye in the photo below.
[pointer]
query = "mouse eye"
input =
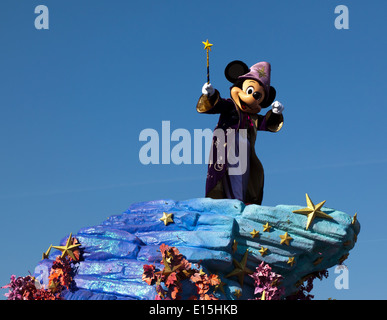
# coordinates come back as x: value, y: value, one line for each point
x: 250, y: 90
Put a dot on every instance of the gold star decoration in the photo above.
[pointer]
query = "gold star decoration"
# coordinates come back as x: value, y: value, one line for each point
x: 68, y: 249
x: 263, y: 251
x: 291, y: 261
x: 53, y: 286
x: 167, y: 268
x: 262, y: 72
x: 220, y: 286
x: 45, y: 254
x: 167, y: 218
x: 285, y: 239
x: 234, y: 246
x: 254, y: 233
x: 312, y: 211
x: 354, y: 218
x: 240, y: 268
x: 238, y: 293
x: 266, y: 227
x: 207, y: 45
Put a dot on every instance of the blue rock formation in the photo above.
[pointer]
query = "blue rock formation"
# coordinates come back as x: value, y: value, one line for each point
x: 115, y: 251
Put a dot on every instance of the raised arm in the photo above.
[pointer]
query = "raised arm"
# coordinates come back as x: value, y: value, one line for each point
x: 210, y: 101
x: 273, y: 120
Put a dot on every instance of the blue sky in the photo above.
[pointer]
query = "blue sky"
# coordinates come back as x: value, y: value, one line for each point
x: 75, y: 98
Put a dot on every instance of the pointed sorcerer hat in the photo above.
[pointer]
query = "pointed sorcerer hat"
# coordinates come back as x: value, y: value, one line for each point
x: 261, y: 72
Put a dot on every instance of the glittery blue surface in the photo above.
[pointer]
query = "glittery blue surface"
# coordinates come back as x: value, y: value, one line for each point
x: 115, y: 251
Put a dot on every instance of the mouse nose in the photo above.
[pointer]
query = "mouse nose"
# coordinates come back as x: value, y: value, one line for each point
x: 257, y: 95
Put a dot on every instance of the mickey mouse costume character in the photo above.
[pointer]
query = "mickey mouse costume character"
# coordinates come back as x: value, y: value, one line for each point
x: 250, y: 92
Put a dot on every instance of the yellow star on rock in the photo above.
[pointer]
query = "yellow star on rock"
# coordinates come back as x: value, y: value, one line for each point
x: 285, y: 238
x: 45, y: 254
x: 266, y: 227
x: 238, y: 293
x: 68, y: 249
x: 291, y: 261
x: 220, y: 286
x: 354, y: 218
x: 254, y: 233
x: 207, y: 45
x: 263, y: 251
x: 234, y: 246
x: 240, y: 269
x: 166, y: 218
x: 312, y: 211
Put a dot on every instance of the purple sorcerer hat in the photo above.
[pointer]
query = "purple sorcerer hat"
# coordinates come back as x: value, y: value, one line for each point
x: 260, y: 72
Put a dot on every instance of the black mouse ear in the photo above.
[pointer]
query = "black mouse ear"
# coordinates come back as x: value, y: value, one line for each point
x: 235, y: 69
x: 270, y: 99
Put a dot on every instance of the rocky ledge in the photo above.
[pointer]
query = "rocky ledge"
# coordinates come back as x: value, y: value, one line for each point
x: 210, y: 232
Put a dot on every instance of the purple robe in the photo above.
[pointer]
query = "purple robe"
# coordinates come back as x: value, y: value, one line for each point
x: 219, y: 182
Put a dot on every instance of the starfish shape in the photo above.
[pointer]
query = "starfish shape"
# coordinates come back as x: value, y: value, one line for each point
x: 285, y: 238
x: 312, y: 211
x: 240, y: 269
x: 46, y: 254
x: 207, y: 45
x: 291, y: 261
x: 220, y: 286
x: 262, y: 72
x: 166, y: 218
x: 238, y: 293
x: 266, y: 227
x: 167, y: 268
x: 354, y: 218
x: 254, y: 233
x: 68, y: 249
x: 263, y: 251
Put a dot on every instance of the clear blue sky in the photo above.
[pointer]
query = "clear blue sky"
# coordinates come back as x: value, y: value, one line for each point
x: 74, y: 99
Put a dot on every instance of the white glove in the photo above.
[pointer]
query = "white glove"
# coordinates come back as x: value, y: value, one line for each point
x: 208, y: 89
x: 277, y: 107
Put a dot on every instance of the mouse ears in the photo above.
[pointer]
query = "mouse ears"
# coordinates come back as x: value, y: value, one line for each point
x: 235, y: 69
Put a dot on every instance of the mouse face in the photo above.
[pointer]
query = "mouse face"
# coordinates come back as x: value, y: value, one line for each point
x: 249, y: 96
x: 251, y: 90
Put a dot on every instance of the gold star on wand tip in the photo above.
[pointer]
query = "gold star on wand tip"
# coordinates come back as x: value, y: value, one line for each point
x: 312, y: 211
x: 207, y: 45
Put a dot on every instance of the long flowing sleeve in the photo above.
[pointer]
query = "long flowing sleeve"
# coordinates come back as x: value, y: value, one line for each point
x: 213, y: 104
x: 270, y: 122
